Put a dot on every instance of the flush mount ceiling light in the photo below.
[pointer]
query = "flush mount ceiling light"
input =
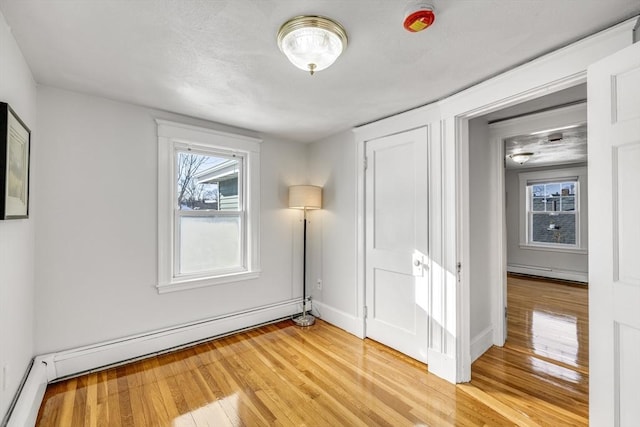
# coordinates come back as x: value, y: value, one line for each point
x: 312, y: 43
x: 521, y: 157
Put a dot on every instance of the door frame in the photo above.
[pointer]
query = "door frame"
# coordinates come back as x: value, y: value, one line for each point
x: 556, y: 71
x: 428, y: 116
x: 499, y: 264
x: 561, y: 115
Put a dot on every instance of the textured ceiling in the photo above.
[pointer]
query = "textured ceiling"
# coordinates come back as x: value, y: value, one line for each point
x: 572, y: 148
x: 218, y: 60
x: 549, y: 148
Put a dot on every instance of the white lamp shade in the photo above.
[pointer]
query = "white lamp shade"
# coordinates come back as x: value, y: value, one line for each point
x: 305, y: 197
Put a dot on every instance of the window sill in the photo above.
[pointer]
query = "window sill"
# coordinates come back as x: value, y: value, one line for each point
x: 578, y: 251
x: 185, y: 284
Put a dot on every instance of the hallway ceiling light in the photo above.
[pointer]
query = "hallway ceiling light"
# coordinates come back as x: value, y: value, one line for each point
x: 312, y: 43
x: 521, y: 157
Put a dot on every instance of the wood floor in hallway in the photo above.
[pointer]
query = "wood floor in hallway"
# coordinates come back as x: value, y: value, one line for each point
x: 322, y: 376
x: 542, y: 372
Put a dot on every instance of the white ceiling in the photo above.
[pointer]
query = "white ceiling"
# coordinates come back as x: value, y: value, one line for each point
x: 571, y: 148
x: 219, y: 61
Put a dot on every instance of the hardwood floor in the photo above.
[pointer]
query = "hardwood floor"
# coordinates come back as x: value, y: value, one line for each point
x: 322, y: 376
x: 542, y: 371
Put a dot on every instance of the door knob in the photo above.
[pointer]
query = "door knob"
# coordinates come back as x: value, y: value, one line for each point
x: 417, y: 263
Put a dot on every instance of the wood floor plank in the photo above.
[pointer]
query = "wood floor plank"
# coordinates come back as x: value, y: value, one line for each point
x: 283, y: 375
x: 542, y: 371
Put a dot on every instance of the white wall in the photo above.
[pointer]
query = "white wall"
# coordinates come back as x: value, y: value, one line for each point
x: 332, y: 257
x: 560, y: 263
x: 96, y: 241
x: 18, y: 89
x: 482, y: 227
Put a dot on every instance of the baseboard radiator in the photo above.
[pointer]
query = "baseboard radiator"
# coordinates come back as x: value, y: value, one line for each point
x: 552, y: 273
x: 53, y: 367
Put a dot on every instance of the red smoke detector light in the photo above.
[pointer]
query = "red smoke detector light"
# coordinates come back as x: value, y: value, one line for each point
x: 418, y: 17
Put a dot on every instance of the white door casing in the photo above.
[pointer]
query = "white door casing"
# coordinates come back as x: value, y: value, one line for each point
x: 614, y: 232
x: 558, y: 70
x: 397, y: 241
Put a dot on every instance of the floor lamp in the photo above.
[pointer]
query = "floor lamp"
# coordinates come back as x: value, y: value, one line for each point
x: 305, y: 197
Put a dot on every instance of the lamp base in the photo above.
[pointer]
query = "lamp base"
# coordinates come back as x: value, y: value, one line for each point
x: 304, y: 320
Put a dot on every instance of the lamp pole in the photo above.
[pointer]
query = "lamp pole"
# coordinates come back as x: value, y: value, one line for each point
x: 304, y: 319
x: 305, y: 197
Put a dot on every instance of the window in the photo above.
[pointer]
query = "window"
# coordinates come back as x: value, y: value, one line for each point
x: 208, y: 207
x: 551, y: 209
x: 552, y: 217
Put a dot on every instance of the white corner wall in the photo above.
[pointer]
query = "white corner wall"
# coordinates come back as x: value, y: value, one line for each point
x: 96, y: 244
x: 332, y: 237
x: 18, y: 89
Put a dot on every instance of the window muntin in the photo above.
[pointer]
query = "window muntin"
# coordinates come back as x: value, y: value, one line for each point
x: 552, y: 214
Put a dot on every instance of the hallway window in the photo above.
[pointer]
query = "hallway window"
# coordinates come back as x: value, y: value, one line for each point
x: 553, y: 209
x: 552, y: 212
x: 208, y: 207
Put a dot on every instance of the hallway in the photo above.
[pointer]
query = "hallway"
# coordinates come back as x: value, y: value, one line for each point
x: 541, y: 375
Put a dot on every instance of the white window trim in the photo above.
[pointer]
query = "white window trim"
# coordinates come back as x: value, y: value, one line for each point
x: 169, y: 135
x: 564, y: 174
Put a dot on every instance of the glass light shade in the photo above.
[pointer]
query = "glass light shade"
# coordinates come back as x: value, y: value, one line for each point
x: 521, y: 157
x: 312, y: 43
x: 305, y: 197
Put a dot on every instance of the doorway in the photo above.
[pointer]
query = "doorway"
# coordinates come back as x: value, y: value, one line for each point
x: 502, y: 216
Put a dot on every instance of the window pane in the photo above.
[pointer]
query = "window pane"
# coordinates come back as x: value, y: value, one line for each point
x: 553, y: 228
x: 209, y: 243
x: 208, y: 182
x: 553, y: 189
x: 553, y: 204
x: 569, y: 203
x: 569, y: 189
x: 539, y: 204
x: 538, y: 190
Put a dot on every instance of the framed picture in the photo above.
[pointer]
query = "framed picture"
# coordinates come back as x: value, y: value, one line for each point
x: 15, y: 142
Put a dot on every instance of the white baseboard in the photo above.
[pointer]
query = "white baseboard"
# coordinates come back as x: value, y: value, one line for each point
x: 481, y: 343
x: 575, y: 276
x: 442, y: 366
x: 350, y: 323
x: 29, y: 398
x: 92, y: 357
x: 47, y: 368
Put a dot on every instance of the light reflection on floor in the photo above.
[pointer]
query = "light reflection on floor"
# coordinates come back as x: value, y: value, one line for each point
x: 223, y: 412
x: 560, y: 372
x: 563, y: 344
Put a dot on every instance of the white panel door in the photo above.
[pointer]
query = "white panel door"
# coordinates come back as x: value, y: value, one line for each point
x: 397, y: 276
x: 614, y: 234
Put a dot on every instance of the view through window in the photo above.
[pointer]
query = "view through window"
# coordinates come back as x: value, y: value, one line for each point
x: 208, y: 212
x: 552, y: 213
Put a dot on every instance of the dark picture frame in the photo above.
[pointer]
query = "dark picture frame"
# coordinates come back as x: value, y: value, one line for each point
x: 15, y: 156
